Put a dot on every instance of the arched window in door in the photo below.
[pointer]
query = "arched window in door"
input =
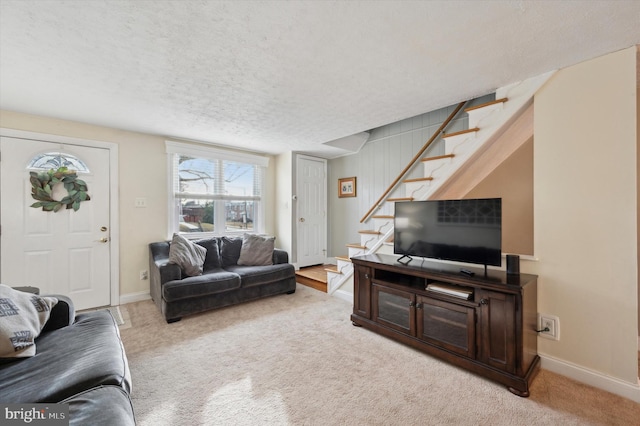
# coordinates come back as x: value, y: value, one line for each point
x: 55, y: 160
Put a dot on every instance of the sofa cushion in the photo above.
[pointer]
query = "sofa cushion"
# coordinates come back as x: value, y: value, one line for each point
x: 230, y: 251
x: 212, y: 258
x: 215, y: 281
x: 22, y: 317
x: 102, y: 405
x: 256, y: 250
x: 86, y: 354
x: 188, y: 255
x: 257, y: 275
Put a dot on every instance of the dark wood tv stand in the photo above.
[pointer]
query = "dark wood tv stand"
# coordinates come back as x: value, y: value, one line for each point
x: 488, y: 329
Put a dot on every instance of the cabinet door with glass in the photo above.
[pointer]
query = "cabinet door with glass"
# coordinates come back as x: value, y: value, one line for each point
x: 447, y: 325
x: 394, y: 308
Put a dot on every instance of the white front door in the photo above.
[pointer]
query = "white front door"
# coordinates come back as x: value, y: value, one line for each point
x: 65, y: 252
x: 311, y: 188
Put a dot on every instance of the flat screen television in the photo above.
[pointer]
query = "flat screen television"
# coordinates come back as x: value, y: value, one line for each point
x: 467, y: 231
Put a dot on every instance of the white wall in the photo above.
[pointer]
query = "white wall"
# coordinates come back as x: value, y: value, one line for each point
x: 585, y: 209
x: 143, y: 173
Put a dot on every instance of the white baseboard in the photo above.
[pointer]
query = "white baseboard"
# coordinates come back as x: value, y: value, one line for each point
x: 344, y: 295
x: 592, y: 378
x: 134, y: 297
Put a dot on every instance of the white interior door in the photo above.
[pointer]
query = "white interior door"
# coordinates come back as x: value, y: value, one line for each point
x: 65, y: 252
x: 311, y: 186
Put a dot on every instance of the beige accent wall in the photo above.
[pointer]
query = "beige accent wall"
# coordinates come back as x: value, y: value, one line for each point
x: 585, y: 214
x: 638, y: 174
x: 142, y: 167
x: 284, y: 203
x: 513, y: 182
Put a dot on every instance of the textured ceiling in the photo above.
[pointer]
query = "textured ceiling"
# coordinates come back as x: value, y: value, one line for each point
x: 289, y: 75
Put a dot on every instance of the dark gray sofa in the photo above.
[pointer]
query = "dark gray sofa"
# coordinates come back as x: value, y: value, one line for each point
x: 222, y: 283
x: 80, y: 361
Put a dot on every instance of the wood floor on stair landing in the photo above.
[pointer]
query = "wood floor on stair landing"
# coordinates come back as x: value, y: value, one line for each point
x: 313, y: 276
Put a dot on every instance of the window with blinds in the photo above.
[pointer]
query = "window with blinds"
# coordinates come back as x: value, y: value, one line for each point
x: 215, y: 192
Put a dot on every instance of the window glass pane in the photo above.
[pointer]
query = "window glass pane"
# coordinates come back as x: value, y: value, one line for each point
x: 195, y: 215
x: 215, y: 195
x: 239, y: 179
x: 196, y: 175
x: 55, y: 160
x: 239, y: 215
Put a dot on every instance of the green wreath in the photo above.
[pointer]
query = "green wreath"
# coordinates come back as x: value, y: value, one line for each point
x: 42, y: 184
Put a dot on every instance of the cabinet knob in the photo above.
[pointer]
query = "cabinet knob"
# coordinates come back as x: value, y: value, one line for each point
x: 412, y: 304
x: 484, y: 302
x: 366, y: 276
x: 419, y: 305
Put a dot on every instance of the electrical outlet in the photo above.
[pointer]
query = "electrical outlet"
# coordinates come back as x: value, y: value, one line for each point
x: 144, y: 275
x: 549, y: 326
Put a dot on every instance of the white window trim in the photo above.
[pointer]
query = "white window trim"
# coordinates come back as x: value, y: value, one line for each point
x: 213, y: 153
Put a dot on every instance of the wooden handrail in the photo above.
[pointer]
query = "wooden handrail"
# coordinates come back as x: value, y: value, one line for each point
x: 417, y: 157
x: 486, y: 104
x: 437, y: 157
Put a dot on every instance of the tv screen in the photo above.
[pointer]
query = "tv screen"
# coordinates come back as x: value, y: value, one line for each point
x: 460, y: 230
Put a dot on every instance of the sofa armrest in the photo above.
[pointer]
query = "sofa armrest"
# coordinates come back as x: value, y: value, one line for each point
x: 159, y: 267
x: 160, y: 270
x: 168, y: 271
x: 280, y: 256
x: 62, y: 314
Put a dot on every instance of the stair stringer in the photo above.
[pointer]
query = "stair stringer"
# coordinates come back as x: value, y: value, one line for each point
x: 488, y: 157
x: 491, y: 127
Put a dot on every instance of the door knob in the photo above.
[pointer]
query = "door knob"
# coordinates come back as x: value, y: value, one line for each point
x: 103, y: 240
x: 302, y: 219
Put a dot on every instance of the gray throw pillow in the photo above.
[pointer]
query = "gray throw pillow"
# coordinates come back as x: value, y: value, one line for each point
x: 22, y: 317
x: 256, y: 250
x: 212, y: 259
x: 189, y: 256
x: 230, y: 251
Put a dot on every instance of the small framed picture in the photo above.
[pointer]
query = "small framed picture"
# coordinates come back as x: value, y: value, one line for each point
x: 347, y: 187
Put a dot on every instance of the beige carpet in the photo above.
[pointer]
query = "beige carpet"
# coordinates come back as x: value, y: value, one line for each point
x: 298, y: 360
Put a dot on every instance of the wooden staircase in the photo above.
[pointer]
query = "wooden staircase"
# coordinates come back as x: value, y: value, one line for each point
x: 487, y: 123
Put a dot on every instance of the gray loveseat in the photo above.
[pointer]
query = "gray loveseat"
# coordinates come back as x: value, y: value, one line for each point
x: 223, y: 282
x: 79, y: 361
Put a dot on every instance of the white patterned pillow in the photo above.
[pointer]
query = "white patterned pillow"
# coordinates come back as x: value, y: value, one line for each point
x: 22, y: 317
x: 190, y: 256
x: 256, y: 250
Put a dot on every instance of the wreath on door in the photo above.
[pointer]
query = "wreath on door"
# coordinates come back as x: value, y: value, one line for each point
x: 42, y: 184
